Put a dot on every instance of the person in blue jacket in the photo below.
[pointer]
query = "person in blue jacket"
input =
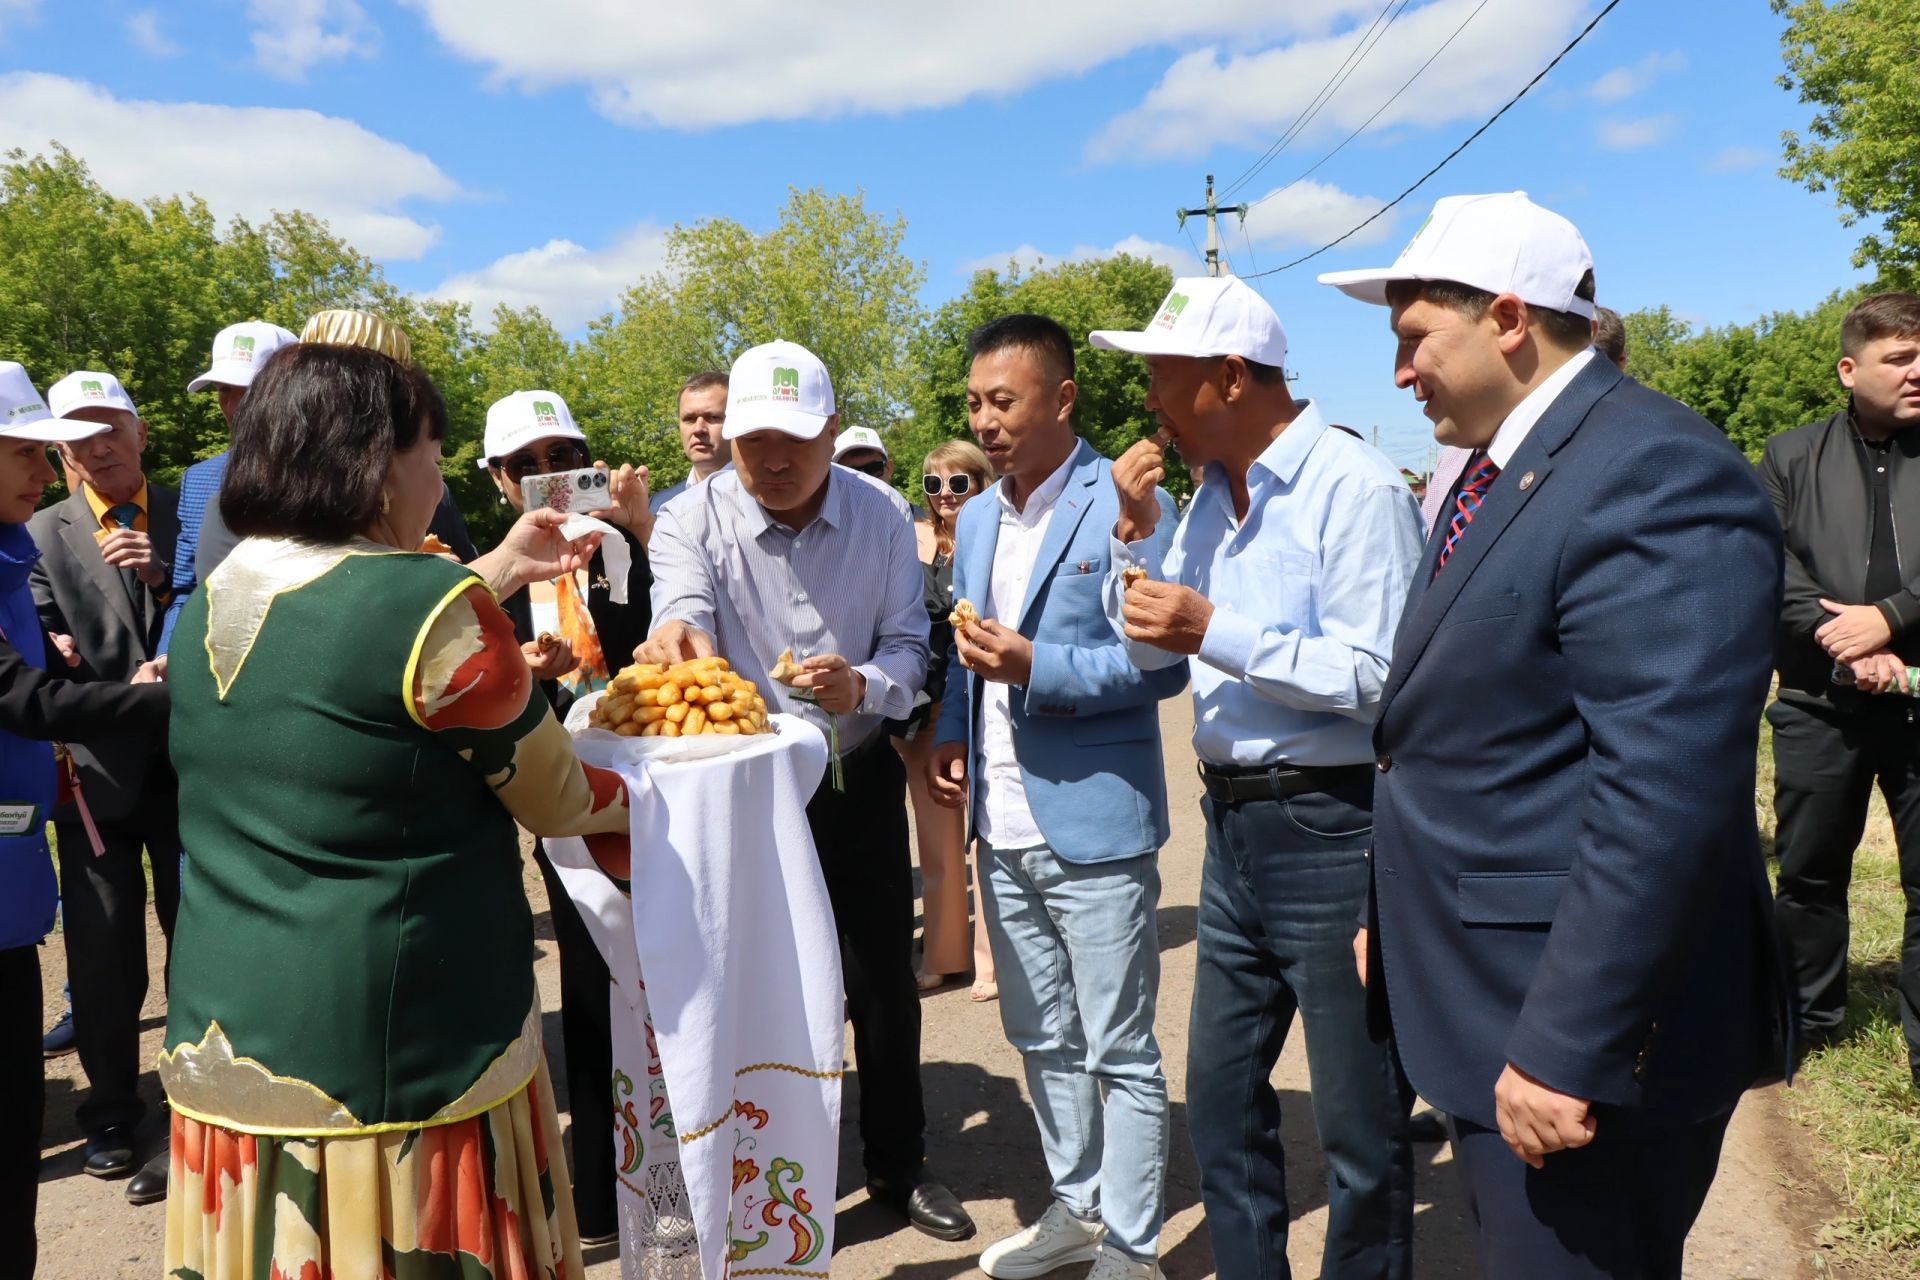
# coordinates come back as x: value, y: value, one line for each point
x: 35, y: 708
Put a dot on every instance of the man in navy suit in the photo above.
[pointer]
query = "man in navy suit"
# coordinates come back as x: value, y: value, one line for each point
x: 1569, y: 927
x: 1057, y: 738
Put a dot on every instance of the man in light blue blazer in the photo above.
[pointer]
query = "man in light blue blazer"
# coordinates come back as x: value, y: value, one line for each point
x: 1059, y: 735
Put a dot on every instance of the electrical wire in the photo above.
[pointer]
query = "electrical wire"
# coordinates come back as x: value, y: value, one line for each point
x: 1421, y: 181
x: 1300, y: 177
x: 1318, y: 100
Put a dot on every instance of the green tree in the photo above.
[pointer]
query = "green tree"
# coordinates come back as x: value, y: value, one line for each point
x: 830, y: 275
x: 1858, y: 63
x: 139, y: 289
x: 1753, y: 381
x: 1119, y: 292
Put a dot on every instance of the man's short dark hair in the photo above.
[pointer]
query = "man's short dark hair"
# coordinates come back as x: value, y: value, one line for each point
x: 1610, y: 335
x: 1037, y: 334
x: 1880, y: 315
x: 1563, y: 328
x: 314, y: 438
x: 704, y: 379
x: 1265, y: 375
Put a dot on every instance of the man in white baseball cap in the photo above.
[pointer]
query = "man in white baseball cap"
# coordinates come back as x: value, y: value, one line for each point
x: 1570, y: 917
x: 1281, y: 592
x: 861, y: 449
x: 103, y: 579
x: 785, y: 551
x: 238, y: 352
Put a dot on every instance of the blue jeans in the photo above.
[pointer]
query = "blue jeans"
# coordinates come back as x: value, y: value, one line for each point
x: 1076, y: 951
x: 1280, y: 900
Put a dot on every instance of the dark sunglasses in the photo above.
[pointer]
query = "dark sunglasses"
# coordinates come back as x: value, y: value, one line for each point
x: 564, y: 456
x: 957, y: 485
x: 877, y: 468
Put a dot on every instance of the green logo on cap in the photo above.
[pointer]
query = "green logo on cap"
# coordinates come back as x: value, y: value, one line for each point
x: 544, y: 414
x: 242, y: 349
x: 1170, y: 311
x: 92, y: 387
x: 1416, y: 236
x: 786, y: 385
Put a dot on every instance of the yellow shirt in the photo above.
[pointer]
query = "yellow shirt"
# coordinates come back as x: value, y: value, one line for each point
x: 101, y: 506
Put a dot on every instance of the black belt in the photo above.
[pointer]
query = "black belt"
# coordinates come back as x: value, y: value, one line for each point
x: 1237, y: 784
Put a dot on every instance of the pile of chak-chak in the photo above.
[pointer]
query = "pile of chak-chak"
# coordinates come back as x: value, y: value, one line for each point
x: 703, y: 695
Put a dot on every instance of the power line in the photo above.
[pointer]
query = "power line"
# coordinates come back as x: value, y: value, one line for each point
x: 1298, y: 178
x: 1313, y: 104
x: 1421, y: 181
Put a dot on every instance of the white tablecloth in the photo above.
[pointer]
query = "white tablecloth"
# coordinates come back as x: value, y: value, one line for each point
x: 725, y: 961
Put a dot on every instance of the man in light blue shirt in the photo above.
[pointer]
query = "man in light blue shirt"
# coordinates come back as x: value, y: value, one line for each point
x: 1281, y: 590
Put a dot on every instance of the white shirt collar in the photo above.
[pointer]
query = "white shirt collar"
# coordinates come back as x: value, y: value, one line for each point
x: 1041, y: 500
x: 1514, y: 431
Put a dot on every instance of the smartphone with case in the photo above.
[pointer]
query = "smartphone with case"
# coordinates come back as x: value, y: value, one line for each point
x: 581, y: 490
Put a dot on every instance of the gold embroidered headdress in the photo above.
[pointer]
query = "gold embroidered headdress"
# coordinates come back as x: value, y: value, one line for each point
x: 359, y: 329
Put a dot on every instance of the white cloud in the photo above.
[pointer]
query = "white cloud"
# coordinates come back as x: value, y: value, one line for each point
x: 18, y: 11
x: 570, y: 284
x: 1028, y: 259
x: 1213, y: 96
x: 289, y: 36
x: 1731, y: 159
x: 1309, y: 214
x: 248, y: 161
x: 1622, y: 83
x: 143, y: 28
x: 727, y: 62
x: 1631, y: 135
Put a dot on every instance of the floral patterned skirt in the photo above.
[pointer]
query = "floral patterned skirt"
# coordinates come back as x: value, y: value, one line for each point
x: 486, y: 1197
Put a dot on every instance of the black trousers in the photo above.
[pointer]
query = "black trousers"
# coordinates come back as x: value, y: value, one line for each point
x: 586, y: 1029
x: 23, y: 1102
x: 1618, y: 1208
x: 103, y: 920
x: 861, y: 836
x: 1826, y: 764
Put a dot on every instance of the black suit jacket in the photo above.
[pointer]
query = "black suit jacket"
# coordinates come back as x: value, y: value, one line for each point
x: 1566, y: 870
x: 115, y: 621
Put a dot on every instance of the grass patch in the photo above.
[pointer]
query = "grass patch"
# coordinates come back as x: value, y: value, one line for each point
x: 1857, y: 1097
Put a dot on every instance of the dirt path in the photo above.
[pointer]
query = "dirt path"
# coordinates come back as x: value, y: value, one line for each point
x: 982, y: 1143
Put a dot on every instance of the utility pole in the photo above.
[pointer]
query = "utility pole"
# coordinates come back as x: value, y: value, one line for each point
x: 1212, y: 212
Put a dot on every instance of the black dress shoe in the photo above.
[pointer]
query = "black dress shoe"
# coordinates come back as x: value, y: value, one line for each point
x: 150, y: 1184
x: 1427, y: 1126
x: 929, y: 1206
x: 111, y: 1154
x: 59, y: 1042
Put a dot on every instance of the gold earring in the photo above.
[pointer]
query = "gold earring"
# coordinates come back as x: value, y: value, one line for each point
x: 386, y: 502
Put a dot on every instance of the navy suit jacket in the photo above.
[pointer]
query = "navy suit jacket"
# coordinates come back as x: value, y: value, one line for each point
x: 1567, y: 874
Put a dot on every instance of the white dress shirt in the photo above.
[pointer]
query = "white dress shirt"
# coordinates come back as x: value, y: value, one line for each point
x: 1519, y: 424
x: 1001, y: 815
x: 849, y: 583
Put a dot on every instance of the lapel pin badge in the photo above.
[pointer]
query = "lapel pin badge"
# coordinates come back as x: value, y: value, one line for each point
x: 1526, y: 482
x: 1086, y: 567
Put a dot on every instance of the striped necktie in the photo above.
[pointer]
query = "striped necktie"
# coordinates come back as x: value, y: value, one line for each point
x: 1481, y: 473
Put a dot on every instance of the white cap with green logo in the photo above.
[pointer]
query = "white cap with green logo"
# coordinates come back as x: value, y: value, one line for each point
x: 778, y: 386
x: 1206, y: 316
x: 238, y: 352
x: 517, y: 420
x: 24, y: 415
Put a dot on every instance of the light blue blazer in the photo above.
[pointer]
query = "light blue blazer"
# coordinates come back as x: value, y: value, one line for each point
x: 1085, y: 728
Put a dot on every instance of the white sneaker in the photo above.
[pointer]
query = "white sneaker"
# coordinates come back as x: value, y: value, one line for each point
x: 1111, y: 1264
x: 1057, y: 1239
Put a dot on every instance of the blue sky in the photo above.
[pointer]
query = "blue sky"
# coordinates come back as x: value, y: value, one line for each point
x: 494, y: 149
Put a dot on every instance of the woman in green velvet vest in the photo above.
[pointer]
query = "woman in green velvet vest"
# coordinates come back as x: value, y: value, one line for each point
x: 353, y: 1046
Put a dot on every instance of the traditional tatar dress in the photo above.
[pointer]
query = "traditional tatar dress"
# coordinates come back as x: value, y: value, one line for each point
x: 353, y: 1048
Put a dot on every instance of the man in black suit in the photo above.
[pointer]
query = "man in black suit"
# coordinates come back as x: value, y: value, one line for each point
x: 102, y: 579
x: 1570, y: 926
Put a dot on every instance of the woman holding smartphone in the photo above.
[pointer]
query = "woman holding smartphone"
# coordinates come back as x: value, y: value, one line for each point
x: 575, y: 637
x: 953, y: 474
